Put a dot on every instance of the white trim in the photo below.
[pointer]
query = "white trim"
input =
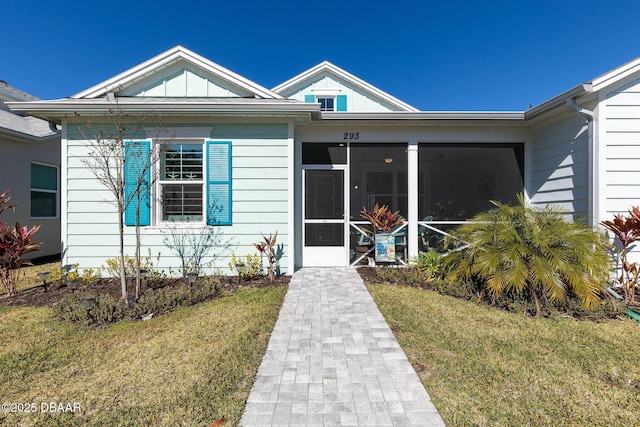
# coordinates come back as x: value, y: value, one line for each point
x: 326, y: 92
x: 64, y: 188
x: 163, y: 60
x: 413, y: 174
x: 291, y: 195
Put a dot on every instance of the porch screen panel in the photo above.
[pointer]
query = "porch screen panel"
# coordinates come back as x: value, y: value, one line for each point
x: 457, y: 181
x: 324, y: 204
x: 378, y: 174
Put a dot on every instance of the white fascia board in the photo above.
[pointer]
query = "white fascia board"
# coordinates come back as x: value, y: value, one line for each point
x: 425, y: 115
x: 616, y: 74
x: 165, y: 59
x: 559, y: 100
x: 327, y: 66
x: 55, y: 110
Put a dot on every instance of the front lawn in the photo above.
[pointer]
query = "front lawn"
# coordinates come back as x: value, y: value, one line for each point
x: 488, y: 367
x: 189, y: 367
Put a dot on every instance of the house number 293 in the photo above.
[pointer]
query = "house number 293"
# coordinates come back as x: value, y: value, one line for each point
x: 351, y: 136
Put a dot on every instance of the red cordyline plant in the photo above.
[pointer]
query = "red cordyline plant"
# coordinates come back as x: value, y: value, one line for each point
x: 15, y: 243
x: 381, y: 218
x: 266, y: 247
x: 627, y: 230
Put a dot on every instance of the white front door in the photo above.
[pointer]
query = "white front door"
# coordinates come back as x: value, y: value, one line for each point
x: 324, y: 217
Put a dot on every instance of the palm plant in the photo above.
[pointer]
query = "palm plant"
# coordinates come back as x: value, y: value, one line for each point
x: 518, y: 249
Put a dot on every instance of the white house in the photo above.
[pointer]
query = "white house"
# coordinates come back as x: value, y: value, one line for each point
x: 305, y: 157
x: 30, y: 169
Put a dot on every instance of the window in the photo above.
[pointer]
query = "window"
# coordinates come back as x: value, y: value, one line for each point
x: 192, y: 185
x: 181, y: 181
x: 326, y: 103
x: 44, y: 191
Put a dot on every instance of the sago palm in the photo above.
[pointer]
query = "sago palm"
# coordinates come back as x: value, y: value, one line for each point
x: 518, y: 248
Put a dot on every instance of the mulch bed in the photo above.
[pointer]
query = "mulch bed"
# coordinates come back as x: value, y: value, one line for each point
x: 37, y: 296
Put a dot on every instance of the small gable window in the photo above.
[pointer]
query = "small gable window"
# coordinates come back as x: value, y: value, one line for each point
x: 326, y: 103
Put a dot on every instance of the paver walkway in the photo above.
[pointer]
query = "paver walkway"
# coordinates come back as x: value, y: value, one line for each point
x: 332, y: 360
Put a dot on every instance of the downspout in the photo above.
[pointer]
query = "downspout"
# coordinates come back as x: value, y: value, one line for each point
x: 593, y: 160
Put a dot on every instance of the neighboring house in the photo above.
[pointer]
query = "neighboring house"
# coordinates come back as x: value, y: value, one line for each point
x: 305, y: 157
x: 30, y: 168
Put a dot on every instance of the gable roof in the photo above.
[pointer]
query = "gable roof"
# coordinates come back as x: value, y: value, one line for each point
x: 329, y: 68
x: 170, y: 57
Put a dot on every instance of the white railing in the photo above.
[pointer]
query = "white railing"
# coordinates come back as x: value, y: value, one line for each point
x: 366, y: 239
x: 431, y: 233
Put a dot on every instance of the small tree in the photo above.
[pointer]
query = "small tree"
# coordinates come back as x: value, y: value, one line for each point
x: 518, y: 248
x: 627, y: 230
x: 108, y: 159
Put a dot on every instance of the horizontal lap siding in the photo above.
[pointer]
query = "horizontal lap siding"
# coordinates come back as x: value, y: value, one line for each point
x: 621, y: 149
x: 559, y: 166
x: 259, y: 192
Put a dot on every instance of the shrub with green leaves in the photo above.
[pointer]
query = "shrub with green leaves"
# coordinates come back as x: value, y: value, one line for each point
x: 521, y: 249
x: 430, y: 263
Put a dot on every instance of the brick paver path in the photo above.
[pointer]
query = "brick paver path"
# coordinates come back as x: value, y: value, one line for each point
x: 332, y: 360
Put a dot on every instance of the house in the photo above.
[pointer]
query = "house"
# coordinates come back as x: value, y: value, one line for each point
x: 305, y: 157
x: 30, y: 168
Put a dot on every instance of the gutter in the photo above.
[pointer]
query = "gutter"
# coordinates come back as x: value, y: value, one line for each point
x: 12, y: 134
x: 571, y: 102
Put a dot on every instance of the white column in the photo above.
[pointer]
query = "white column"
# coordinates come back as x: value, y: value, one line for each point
x: 291, y: 164
x: 412, y: 188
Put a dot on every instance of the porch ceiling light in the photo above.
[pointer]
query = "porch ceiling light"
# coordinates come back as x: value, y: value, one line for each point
x: 388, y: 159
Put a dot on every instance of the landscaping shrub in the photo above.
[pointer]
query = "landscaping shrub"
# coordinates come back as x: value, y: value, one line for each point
x: 108, y: 309
x: 533, y: 252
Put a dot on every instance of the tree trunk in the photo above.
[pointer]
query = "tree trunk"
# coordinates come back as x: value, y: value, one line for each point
x: 537, y: 300
x: 123, y: 273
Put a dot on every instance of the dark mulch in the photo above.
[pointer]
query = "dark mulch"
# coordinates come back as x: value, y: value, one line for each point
x: 37, y: 296
x: 368, y: 275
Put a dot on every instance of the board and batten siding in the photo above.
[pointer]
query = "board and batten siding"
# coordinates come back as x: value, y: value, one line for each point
x: 559, y: 166
x: 357, y: 100
x: 620, y: 150
x: 259, y: 197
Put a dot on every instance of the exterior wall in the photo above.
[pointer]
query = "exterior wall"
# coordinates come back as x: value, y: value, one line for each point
x: 357, y: 100
x: 15, y: 174
x: 260, y: 200
x: 179, y: 81
x: 619, y: 149
x: 559, y: 165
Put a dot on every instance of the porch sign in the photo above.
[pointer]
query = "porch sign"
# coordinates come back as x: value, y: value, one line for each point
x: 385, y: 247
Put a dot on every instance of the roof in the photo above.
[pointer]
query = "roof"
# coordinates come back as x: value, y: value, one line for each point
x: 244, y: 107
x: 166, y: 59
x: 18, y: 126
x: 326, y: 66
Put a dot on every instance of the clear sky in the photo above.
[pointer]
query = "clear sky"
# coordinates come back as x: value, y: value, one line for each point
x: 435, y: 55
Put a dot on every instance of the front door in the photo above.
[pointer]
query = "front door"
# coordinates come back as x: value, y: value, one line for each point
x: 324, y: 215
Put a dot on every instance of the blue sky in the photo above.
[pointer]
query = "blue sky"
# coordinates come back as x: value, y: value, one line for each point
x: 435, y: 55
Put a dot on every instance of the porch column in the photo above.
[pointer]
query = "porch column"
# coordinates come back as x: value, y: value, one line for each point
x: 412, y: 190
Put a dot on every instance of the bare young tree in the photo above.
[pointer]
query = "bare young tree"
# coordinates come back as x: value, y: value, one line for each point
x: 113, y: 151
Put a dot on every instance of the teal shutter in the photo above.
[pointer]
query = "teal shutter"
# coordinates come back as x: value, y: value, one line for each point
x: 218, y: 183
x: 310, y: 99
x: 341, y: 103
x: 137, y: 182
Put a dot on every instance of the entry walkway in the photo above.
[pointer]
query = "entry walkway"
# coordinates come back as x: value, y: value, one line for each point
x: 332, y: 360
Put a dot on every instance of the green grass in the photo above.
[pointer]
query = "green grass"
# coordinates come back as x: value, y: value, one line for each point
x: 487, y: 367
x: 29, y: 275
x: 189, y: 367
